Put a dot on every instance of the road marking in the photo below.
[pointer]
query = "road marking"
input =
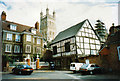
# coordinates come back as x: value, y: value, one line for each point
x: 43, y: 71
x: 75, y: 77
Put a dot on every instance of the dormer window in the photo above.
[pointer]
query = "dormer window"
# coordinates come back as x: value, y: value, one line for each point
x: 13, y: 27
x: 33, y: 31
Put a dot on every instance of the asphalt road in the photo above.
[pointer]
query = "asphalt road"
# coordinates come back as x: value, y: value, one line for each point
x: 51, y: 75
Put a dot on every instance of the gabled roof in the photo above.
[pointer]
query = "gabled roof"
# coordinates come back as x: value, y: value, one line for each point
x: 20, y: 28
x: 72, y: 31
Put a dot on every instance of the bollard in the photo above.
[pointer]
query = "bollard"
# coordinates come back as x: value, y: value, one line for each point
x: 37, y: 63
x: 28, y: 62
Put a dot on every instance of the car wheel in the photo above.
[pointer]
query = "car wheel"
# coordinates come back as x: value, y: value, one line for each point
x: 19, y: 72
x: 13, y: 71
x: 29, y: 73
x: 91, y: 72
x: 74, y: 71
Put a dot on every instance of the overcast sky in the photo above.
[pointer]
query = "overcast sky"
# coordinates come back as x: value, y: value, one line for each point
x: 68, y: 12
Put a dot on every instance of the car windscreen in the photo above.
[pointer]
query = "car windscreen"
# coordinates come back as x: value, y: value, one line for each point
x: 26, y: 66
x: 72, y: 65
x: 84, y: 66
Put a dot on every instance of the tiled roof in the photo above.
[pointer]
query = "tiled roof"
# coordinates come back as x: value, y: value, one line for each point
x: 72, y: 31
x: 20, y: 28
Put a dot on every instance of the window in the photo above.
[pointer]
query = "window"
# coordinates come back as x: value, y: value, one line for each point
x: 87, y: 51
x: 77, y: 39
x: 8, y: 48
x: 33, y: 40
x: 86, y: 46
x: 86, y: 40
x: 13, y: 27
x: 67, y: 47
x: 38, y: 41
x: 17, y: 38
x: 28, y: 48
x: 38, y: 50
x: 33, y: 31
x: 55, y: 50
x: 16, y: 49
x: 9, y: 36
x: 93, y: 52
x: 28, y: 38
x: 118, y: 48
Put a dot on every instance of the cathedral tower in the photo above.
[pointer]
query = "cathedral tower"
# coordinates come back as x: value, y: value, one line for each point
x: 47, y: 25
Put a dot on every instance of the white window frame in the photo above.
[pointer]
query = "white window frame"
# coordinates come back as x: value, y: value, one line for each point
x: 38, y: 41
x: 33, y: 40
x: 9, y: 36
x: 33, y: 31
x: 38, y: 50
x: 17, y: 39
x: 13, y: 27
x: 18, y: 48
x: 28, y: 38
x: 118, y: 48
x: 8, y: 46
x: 28, y: 51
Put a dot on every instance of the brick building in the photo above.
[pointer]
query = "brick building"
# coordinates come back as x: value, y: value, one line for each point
x: 110, y: 53
x: 20, y: 40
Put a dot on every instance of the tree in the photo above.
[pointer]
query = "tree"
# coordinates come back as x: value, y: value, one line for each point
x: 101, y: 30
x: 47, y: 56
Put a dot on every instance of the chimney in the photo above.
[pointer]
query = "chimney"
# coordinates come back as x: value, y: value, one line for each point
x: 3, y: 16
x: 37, y: 25
x: 112, y: 29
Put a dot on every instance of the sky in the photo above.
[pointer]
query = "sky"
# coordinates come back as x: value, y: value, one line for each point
x: 68, y: 12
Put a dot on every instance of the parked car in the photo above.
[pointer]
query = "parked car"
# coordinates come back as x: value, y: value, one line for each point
x: 22, y: 69
x: 90, y: 68
x: 75, y: 67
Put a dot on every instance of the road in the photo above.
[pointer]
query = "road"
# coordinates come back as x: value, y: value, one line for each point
x: 50, y: 74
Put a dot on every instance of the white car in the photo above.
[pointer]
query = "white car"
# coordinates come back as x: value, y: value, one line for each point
x: 90, y: 68
x: 75, y: 66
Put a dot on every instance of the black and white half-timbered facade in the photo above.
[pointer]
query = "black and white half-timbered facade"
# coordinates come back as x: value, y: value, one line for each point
x: 74, y: 44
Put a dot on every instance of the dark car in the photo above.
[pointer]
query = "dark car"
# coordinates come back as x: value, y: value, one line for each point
x: 90, y: 68
x: 22, y: 69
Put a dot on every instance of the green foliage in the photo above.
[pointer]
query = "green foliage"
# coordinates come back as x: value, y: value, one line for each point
x: 47, y: 57
x: 6, y: 58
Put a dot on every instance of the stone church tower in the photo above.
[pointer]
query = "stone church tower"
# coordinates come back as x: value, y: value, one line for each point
x: 47, y: 25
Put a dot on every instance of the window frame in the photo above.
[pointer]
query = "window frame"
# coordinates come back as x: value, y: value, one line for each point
x: 28, y: 51
x: 27, y: 38
x: 18, y: 40
x: 18, y: 49
x: 6, y: 48
x: 68, y: 48
x: 13, y: 27
x: 9, y: 36
x: 118, y: 49
x: 39, y: 41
